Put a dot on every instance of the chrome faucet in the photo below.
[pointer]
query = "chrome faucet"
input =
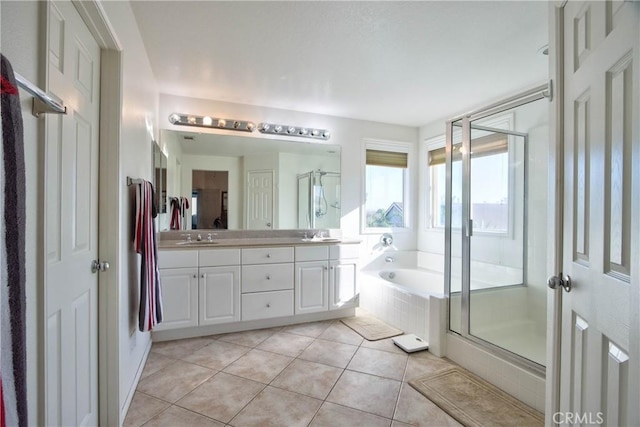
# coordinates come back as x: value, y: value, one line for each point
x: 199, y: 237
x: 389, y: 259
x: 210, y: 237
x: 187, y: 237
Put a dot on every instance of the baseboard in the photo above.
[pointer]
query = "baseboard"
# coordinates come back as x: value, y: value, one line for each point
x: 136, y: 380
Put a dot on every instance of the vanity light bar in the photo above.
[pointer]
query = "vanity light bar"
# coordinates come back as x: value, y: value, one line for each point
x: 211, y: 122
x: 294, y: 131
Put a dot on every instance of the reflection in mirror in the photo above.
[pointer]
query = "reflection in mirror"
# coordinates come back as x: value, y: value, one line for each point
x: 160, y: 183
x: 208, y: 199
x: 270, y: 184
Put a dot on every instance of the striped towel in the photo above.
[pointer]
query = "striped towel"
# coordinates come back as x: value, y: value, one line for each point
x: 13, y: 385
x: 150, y: 313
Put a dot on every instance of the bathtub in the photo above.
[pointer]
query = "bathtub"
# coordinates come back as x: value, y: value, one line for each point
x: 400, y: 293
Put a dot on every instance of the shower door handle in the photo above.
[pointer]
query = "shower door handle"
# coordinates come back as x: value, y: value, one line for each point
x: 470, y: 228
x: 269, y: 224
x: 557, y: 281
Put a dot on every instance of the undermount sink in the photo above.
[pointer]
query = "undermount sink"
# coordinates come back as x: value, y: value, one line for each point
x: 322, y: 240
x: 195, y: 242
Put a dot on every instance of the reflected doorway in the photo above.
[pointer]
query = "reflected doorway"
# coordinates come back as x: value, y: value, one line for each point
x: 209, y: 208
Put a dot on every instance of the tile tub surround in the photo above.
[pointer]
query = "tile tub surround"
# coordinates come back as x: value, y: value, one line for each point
x: 322, y: 376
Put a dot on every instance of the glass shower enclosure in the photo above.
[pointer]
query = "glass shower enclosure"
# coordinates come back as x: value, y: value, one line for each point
x: 319, y: 199
x: 495, y: 244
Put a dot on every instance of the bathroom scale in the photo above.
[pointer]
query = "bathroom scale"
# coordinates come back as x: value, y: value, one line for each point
x: 410, y: 343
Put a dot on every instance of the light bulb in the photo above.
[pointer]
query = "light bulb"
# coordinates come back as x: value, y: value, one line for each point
x: 278, y: 128
x: 304, y: 131
x: 173, y: 118
x: 236, y: 125
x: 326, y: 134
x: 266, y: 127
x: 250, y: 126
x: 191, y: 120
x: 207, y: 121
x: 222, y: 123
x: 291, y: 129
x: 315, y: 132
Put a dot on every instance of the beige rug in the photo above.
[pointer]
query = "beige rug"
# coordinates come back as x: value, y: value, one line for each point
x: 371, y: 328
x: 473, y: 401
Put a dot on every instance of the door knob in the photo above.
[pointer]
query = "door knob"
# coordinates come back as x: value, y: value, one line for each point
x: 557, y: 281
x: 96, y: 266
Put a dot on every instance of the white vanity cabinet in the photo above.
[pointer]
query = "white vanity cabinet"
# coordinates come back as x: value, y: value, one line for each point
x: 179, y: 287
x: 267, y: 282
x: 217, y: 290
x: 343, y: 276
x: 219, y: 286
x: 312, y: 279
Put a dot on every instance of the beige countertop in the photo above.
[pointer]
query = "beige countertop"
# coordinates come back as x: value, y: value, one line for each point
x: 252, y: 242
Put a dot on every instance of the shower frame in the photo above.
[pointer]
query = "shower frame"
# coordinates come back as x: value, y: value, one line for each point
x: 535, y: 94
x: 310, y: 208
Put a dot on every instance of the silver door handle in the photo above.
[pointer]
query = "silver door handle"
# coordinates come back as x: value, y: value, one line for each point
x: 96, y: 266
x: 557, y: 281
x: 268, y: 224
x: 268, y: 277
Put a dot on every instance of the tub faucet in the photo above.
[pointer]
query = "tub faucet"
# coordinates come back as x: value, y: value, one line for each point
x: 389, y: 259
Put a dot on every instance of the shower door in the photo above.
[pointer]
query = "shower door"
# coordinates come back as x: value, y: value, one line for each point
x: 496, y: 253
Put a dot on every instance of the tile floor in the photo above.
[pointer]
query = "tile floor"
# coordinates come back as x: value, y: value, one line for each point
x: 313, y: 374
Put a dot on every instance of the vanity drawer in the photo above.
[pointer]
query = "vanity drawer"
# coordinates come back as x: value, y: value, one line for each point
x: 312, y: 253
x: 219, y: 257
x: 267, y: 255
x: 264, y: 305
x: 267, y: 277
x: 177, y: 259
x: 344, y: 251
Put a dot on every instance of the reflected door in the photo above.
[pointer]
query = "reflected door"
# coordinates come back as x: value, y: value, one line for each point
x: 260, y: 200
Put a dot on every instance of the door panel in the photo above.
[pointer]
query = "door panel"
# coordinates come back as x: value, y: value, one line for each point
x: 219, y: 295
x: 600, y: 135
x: 71, y: 221
x: 260, y: 203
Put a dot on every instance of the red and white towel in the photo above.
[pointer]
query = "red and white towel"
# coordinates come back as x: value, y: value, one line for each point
x: 145, y: 243
x: 178, y: 209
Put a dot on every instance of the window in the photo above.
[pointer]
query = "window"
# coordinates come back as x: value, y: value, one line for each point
x: 490, y: 183
x: 385, y: 184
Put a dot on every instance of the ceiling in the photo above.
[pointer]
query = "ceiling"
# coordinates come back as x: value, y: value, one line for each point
x: 407, y: 63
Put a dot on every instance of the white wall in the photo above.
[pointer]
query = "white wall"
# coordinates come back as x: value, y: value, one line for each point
x: 138, y: 130
x: 19, y: 43
x: 348, y: 133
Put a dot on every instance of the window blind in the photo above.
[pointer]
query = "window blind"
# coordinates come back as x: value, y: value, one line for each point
x: 484, y: 146
x: 387, y: 158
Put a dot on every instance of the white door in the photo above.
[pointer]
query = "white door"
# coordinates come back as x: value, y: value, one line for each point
x: 599, y: 356
x: 259, y: 200
x: 71, y: 222
x: 311, y: 287
x: 219, y: 295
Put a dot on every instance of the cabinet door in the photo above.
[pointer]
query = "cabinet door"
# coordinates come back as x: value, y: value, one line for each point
x: 311, y: 287
x: 179, y: 298
x: 343, y: 284
x: 219, y: 295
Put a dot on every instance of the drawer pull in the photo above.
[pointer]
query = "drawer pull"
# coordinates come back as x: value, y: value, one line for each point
x: 202, y: 276
x: 268, y: 255
x: 195, y: 276
x: 268, y: 305
x: 268, y: 277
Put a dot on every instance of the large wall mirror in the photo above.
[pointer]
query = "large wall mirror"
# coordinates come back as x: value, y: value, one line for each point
x: 247, y: 183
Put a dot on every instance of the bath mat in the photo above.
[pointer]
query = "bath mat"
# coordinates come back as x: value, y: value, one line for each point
x: 371, y: 328
x: 473, y: 401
